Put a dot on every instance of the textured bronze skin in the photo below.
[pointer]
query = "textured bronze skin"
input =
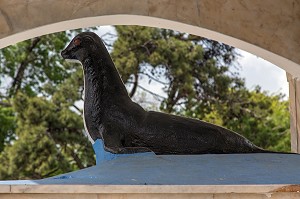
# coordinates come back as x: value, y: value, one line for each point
x: 126, y: 127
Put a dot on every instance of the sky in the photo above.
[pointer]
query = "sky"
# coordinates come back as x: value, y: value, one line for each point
x: 254, y: 69
x: 258, y: 71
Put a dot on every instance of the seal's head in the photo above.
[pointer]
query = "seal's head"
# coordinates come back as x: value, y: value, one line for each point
x: 82, y: 46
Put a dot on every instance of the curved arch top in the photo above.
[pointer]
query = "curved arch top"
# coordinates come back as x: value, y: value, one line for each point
x: 269, y: 29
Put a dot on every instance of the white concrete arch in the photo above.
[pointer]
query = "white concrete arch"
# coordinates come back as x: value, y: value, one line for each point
x: 286, y: 64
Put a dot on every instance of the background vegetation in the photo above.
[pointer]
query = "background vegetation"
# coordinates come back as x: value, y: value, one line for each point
x: 41, y: 129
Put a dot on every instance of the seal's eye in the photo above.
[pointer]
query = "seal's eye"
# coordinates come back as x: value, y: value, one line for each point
x: 77, y: 42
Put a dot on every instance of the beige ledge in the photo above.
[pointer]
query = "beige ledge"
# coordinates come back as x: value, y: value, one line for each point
x: 212, y: 189
x: 149, y: 191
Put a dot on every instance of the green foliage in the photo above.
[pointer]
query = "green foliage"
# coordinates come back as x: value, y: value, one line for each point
x: 7, y: 127
x: 34, y: 62
x: 45, y: 121
x: 49, y: 140
x: 263, y: 119
x: 196, y: 69
x: 260, y: 117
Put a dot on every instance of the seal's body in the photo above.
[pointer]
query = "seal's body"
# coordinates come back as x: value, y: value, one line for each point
x: 125, y: 127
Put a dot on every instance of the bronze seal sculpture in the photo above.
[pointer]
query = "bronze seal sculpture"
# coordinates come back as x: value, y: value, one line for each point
x: 125, y: 127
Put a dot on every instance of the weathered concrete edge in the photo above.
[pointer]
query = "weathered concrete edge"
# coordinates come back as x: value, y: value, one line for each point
x: 210, y: 189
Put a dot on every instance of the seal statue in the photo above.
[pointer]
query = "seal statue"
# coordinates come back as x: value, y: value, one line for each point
x: 125, y: 127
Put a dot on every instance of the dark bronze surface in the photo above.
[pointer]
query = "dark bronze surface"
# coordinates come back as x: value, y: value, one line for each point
x: 125, y: 127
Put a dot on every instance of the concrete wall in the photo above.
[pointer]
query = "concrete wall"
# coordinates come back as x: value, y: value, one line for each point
x: 269, y: 28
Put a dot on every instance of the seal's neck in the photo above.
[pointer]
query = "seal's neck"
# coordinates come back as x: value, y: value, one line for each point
x: 102, y: 77
x: 102, y: 86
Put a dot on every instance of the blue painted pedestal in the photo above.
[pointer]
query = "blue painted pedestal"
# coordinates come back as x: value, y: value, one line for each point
x: 102, y: 155
x: 208, y: 169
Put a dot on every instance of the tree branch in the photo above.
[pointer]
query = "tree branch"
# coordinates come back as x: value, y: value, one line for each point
x: 16, y: 84
x: 76, y: 159
x: 107, y: 44
x: 173, y: 98
x: 78, y: 109
x: 108, y: 34
x: 135, y: 48
x: 5, y: 104
x: 148, y: 91
x: 135, y: 84
x: 145, y: 46
x: 153, y: 78
x: 50, y: 173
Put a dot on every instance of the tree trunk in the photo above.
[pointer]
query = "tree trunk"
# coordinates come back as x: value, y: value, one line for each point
x: 16, y: 84
x: 135, y: 85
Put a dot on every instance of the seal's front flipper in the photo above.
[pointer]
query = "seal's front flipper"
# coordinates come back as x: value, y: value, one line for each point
x: 104, y: 153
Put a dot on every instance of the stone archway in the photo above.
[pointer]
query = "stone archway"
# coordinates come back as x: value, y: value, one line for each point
x: 269, y: 29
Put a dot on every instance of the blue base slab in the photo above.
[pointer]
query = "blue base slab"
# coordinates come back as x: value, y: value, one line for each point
x: 102, y: 155
x: 210, y: 169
